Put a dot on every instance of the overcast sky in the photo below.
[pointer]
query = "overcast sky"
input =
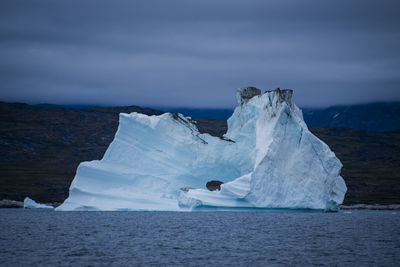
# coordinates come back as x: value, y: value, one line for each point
x: 197, y: 53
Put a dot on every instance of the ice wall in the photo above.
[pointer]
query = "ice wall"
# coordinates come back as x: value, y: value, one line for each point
x: 267, y: 159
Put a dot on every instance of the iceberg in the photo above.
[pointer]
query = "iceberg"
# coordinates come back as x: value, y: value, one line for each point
x: 267, y: 159
x: 32, y: 204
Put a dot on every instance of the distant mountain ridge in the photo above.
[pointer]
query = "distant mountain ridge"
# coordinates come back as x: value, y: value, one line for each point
x: 379, y: 117
x: 216, y: 114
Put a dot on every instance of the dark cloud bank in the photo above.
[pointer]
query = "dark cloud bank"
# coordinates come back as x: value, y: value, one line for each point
x: 196, y: 53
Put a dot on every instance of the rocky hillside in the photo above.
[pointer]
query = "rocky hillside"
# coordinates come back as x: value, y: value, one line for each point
x: 378, y: 117
x: 41, y: 147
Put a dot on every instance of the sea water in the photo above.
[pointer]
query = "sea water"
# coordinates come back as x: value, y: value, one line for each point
x: 246, y: 238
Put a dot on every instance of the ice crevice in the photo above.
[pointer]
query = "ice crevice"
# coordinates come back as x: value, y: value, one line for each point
x: 267, y: 159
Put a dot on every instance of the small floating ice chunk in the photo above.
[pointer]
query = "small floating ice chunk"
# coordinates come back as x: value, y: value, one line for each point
x: 32, y: 204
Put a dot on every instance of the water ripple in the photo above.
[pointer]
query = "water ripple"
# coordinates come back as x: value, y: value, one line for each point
x: 41, y: 237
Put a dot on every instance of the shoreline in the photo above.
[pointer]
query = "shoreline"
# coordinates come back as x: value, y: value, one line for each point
x: 8, y: 203
x: 370, y: 207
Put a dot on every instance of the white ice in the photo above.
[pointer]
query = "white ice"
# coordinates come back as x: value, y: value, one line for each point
x: 32, y: 204
x: 267, y: 159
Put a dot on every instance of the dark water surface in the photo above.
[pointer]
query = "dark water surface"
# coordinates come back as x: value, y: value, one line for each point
x: 42, y: 237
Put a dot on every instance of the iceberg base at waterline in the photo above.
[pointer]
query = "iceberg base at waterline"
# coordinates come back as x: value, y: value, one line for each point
x: 267, y: 159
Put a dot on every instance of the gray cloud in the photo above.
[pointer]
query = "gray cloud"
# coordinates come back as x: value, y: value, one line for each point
x: 196, y: 53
